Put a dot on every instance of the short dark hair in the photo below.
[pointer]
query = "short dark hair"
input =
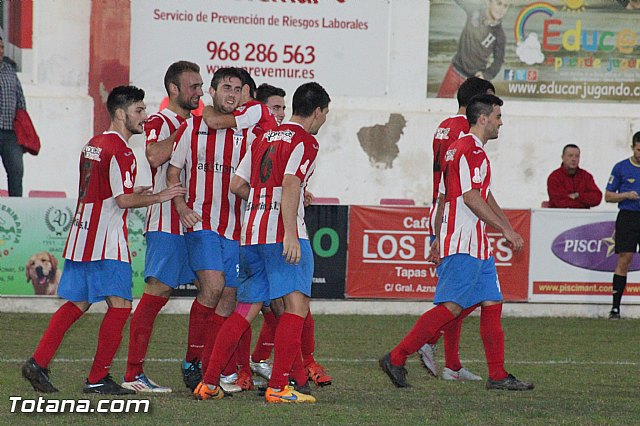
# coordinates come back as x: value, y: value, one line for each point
x: 570, y: 145
x: 481, y: 105
x: 247, y: 80
x: 308, y: 97
x: 265, y: 91
x: 122, y: 97
x: 175, y: 70
x: 471, y: 87
x: 635, y: 139
x: 222, y: 73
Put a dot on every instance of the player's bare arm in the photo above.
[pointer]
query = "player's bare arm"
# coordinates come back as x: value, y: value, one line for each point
x: 144, y: 199
x: 159, y: 152
x: 616, y: 197
x: 289, y: 211
x: 218, y: 120
x: 514, y: 238
x: 188, y: 217
x: 240, y: 187
x: 480, y: 208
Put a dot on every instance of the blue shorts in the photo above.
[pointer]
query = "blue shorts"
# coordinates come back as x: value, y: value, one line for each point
x: 466, y: 281
x: 93, y: 281
x: 209, y: 251
x: 265, y: 274
x: 167, y: 259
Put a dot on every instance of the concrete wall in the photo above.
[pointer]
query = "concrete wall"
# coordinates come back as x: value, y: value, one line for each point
x: 526, y: 152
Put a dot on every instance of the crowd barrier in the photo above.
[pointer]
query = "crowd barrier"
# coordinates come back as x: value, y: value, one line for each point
x: 361, y: 252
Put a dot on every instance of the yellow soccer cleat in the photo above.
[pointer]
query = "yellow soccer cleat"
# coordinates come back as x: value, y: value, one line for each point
x: 287, y: 395
x: 204, y: 391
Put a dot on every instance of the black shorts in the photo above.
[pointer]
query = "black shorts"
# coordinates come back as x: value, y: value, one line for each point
x: 627, y: 231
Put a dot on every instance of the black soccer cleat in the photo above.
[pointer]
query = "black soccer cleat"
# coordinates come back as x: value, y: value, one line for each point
x: 397, y: 374
x: 191, y: 373
x: 614, y: 313
x: 37, y: 376
x: 509, y: 383
x: 106, y: 386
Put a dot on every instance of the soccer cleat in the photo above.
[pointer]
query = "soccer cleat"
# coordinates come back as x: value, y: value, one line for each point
x: 460, y: 375
x: 204, y: 391
x: 262, y: 368
x: 397, y: 374
x: 244, y: 380
x: 37, y: 376
x: 106, y: 386
x: 317, y: 374
x: 428, y: 358
x: 227, y: 383
x: 287, y: 395
x: 305, y: 389
x: 615, y: 313
x: 509, y: 383
x: 144, y: 384
x: 191, y: 373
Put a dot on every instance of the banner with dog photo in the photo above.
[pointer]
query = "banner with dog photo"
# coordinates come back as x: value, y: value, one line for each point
x: 33, y: 232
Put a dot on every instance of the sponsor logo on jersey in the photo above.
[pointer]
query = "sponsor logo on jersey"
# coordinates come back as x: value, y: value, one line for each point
x: 280, y: 135
x: 91, y: 152
x: 442, y: 133
x: 477, y: 176
x: 216, y: 167
x: 152, y: 135
x: 448, y: 156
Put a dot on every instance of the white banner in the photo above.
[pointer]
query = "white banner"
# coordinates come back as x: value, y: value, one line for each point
x: 341, y: 44
x: 573, y: 257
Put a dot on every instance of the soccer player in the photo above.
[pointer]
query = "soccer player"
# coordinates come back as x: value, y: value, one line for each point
x: 624, y: 188
x: 447, y: 133
x: 276, y: 257
x: 273, y: 98
x: 467, y: 273
x: 166, y: 261
x: 210, y: 213
x: 97, y: 257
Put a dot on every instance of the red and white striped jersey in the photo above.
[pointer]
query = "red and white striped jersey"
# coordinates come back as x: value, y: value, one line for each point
x: 467, y: 167
x: 162, y: 217
x: 449, y: 131
x: 210, y: 158
x: 254, y: 113
x: 288, y: 149
x: 99, y: 227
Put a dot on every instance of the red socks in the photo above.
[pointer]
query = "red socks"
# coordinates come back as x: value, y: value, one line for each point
x: 424, y: 329
x: 493, y: 340
x: 452, y: 340
x: 225, y: 345
x: 109, y: 338
x: 308, y: 341
x: 199, y: 324
x: 243, y: 352
x: 264, y: 345
x: 140, y: 331
x: 213, y: 327
x: 287, y: 347
x: 59, y: 323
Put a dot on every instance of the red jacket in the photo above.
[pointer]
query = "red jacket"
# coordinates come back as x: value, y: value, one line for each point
x: 560, y: 184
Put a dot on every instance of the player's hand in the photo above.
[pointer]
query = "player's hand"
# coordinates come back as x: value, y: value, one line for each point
x: 291, y: 249
x: 632, y: 195
x: 188, y: 217
x: 308, y: 198
x: 144, y: 190
x: 434, y: 252
x: 514, y: 239
x: 573, y: 195
x: 172, y: 191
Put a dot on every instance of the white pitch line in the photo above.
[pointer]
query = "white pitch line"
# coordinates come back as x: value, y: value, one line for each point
x: 361, y: 360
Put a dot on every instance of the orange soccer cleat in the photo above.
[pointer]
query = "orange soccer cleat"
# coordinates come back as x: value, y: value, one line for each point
x: 317, y: 374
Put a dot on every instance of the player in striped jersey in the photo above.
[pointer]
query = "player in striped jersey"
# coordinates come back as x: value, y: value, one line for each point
x: 276, y: 255
x: 166, y: 261
x: 447, y: 133
x: 97, y: 257
x: 467, y: 272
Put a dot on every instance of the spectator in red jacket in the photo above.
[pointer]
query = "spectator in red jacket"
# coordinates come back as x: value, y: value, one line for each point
x: 571, y: 187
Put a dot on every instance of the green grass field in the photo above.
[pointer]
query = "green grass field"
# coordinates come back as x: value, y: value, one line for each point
x: 585, y: 372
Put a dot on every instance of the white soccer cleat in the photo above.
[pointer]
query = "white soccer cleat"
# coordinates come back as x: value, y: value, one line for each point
x: 460, y: 375
x: 144, y: 384
x: 228, y: 385
x: 262, y: 369
x: 428, y: 358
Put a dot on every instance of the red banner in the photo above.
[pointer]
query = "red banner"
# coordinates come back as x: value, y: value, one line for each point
x: 388, y: 247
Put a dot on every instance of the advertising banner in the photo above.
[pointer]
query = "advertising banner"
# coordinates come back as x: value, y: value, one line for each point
x: 573, y: 258
x: 33, y: 233
x: 578, y: 50
x: 388, y: 248
x: 282, y: 43
x: 327, y: 227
